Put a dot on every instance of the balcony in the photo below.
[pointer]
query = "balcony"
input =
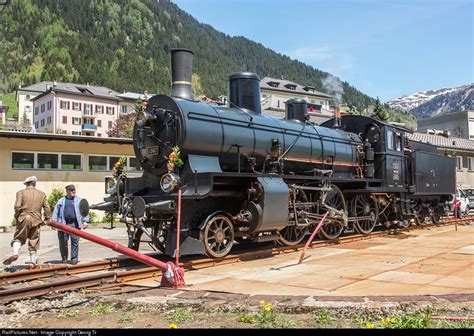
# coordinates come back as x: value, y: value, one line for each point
x: 89, y: 127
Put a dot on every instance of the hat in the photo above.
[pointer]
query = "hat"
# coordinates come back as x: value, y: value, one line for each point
x: 70, y: 187
x: 30, y: 179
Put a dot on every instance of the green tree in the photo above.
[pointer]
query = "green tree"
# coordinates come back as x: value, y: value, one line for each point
x: 54, y: 197
x: 380, y: 112
x: 123, y: 126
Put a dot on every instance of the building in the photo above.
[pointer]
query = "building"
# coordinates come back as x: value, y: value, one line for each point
x: 275, y: 92
x: 58, y: 160
x: 462, y: 149
x: 460, y: 124
x: 75, y: 110
x: 129, y: 99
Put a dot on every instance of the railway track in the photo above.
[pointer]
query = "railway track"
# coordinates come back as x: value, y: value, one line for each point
x: 25, y: 288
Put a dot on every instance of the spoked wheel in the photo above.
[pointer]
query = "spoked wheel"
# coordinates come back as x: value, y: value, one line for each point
x: 334, y: 199
x: 294, y: 234
x: 436, y: 219
x: 365, y: 205
x: 218, y: 235
x: 420, y: 219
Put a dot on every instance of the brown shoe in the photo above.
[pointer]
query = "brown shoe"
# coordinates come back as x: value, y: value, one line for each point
x: 10, y: 259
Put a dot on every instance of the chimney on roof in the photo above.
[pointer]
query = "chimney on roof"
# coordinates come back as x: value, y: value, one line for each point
x: 55, y: 83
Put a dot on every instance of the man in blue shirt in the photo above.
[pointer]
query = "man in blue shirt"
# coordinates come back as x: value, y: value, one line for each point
x: 67, y: 212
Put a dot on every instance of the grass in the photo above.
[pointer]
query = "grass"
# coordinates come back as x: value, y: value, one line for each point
x: 125, y: 319
x: 68, y: 312
x: 9, y: 100
x: 407, y: 321
x: 102, y: 308
x: 323, y: 317
x: 179, y: 315
x: 264, y: 316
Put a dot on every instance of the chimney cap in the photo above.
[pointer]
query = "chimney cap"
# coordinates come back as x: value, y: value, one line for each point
x: 244, y: 75
x: 182, y: 49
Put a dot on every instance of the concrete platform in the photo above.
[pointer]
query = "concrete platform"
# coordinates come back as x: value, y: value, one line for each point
x: 438, y: 261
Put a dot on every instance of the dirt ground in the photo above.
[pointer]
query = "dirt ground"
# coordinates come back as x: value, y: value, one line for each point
x: 81, y: 310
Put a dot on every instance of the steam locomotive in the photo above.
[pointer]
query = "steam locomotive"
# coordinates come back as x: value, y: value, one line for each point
x: 249, y: 177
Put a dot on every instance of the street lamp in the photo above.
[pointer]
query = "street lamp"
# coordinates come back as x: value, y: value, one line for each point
x: 3, y: 3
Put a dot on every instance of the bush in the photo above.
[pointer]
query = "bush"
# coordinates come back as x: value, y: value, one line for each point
x: 92, y: 217
x: 54, y: 197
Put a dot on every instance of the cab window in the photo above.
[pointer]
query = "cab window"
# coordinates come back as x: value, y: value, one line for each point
x: 398, y: 141
x: 390, y: 140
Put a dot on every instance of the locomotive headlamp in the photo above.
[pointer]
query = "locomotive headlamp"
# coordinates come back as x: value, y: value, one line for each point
x: 169, y: 182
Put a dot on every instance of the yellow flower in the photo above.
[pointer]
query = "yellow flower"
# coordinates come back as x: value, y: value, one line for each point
x: 369, y: 325
x: 268, y: 307
x: 173, y: 326
x: 261, y: 302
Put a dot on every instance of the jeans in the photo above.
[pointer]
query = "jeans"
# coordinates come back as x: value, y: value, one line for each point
x: 63, y: 243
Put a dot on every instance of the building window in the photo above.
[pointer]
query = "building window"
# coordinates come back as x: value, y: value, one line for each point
x: 99, y: 135
x: 64, y: 119
x: 71, y: 162
x: 27, y: 109
x: 76, y: 133
x: 37, y: 110
x: 47, y: 161
x: 76, y: 106
x: 88, y: 109
x: 64, y: 105
x: 278, y: 103
x: 112, y: 161
x: 23, y: 160
x: 99, y: 123
x: 27, y: 97
x: 42, y: 108
x: 124, y: 109
x: 42, y: 122
x: 76, y: 121
x: 459, y: 162
x: 49, y: 120
x: 110, y: 124
x: 56, y: 161
x: 97, y: 163
x: 48, y: 105
x: 470, y: 163
x: 99, y: 109
x: 110, y: 110
x: 36, y: 124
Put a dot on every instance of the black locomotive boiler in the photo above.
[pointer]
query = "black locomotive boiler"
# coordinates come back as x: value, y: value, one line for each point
x: 249, y: 177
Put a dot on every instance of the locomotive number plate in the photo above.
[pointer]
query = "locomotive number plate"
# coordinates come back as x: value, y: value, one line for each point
x: 153, y: 150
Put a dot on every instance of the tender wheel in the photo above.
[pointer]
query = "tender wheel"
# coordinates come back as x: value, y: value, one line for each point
x: 218, y: 235
x: 335, y: 199
x: 293, y: 234
x: 364, y: 205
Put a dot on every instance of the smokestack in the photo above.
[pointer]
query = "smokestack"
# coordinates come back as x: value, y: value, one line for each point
x: 181, y: 73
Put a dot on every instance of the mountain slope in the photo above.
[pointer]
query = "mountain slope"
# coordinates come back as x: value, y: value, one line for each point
x: 433, y: 103
x: 125, y: 44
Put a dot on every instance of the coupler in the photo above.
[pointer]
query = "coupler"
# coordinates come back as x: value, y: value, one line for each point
x: 173, y: 276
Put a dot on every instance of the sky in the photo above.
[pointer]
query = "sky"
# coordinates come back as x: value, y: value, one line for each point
x: 385, y: 49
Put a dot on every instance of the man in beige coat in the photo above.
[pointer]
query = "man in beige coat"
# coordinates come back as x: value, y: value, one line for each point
x: 28, y: 205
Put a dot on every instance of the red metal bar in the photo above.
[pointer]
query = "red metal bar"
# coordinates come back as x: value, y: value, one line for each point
x: 172, y: 277
x: 312, y: 237
x: 178, y: 227
x: 454, y: 203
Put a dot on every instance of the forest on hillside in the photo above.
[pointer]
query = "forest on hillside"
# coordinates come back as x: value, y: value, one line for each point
x: 125, y: 45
